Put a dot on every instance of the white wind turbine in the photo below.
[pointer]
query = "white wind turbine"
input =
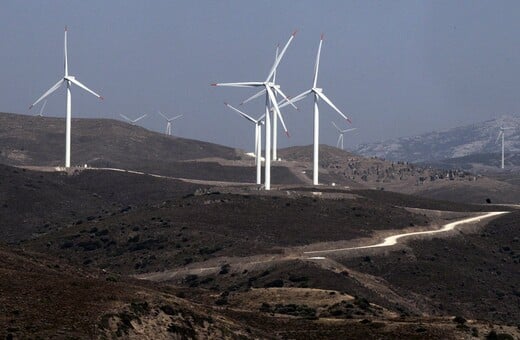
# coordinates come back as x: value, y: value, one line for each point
x: 269, y: 88
x: 132, y: 121
x: 501, y: 134
x: 40, y: 114
x: 169, y: 122
x: 68, y: 80
x: 258, y: 139
x: 341, y: 133
x: 318, y: 94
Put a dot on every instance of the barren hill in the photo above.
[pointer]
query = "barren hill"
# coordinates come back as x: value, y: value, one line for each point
x: 40, y: 141
x: 343, y: 168
x: 34, y: 140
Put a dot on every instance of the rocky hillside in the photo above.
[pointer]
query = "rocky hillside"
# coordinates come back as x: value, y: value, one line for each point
x: 33, y: 140
x: 479, y: 138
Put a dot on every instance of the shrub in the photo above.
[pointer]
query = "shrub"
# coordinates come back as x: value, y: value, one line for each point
x: 274, y: 283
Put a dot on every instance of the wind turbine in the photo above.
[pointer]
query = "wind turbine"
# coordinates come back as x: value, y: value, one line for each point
x: 341, y: 133
x: 269, y: 88
x: 40, y: 114
x: 318, y: 94
x: 258, y: 140
x: 132, y: 121
x: 501, y: 134
x: 169, y: 122
x: 68, y: 80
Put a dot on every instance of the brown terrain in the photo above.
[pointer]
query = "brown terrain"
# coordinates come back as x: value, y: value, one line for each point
x: 95, y: 253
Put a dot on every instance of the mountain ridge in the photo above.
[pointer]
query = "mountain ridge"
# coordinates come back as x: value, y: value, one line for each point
x: 462, y: 141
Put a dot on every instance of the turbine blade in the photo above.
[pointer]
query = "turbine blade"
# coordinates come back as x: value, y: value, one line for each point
x: 317, y: 65
x: 49, y: 91
x: 176, y: 117
x: 244, y: 84
x: 78, y: 83
x: 499, y: 135
x: 328, y: 101
x: 337, y: 128
x: 66, y: 63
x: 243, y: 114
x: 339, y: 139
x: 126, y: 118
x: 256, y: 95
x: 276, y: 108
x: 42, y: 108
x: 138, y: 119
x: 275, y: 58
x: 159, y: 112
x: 277, y: 61
x: 287, y: 100
x: 348, y: 130
x: 296, y: 99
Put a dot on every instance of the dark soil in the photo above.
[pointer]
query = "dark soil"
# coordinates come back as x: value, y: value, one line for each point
x: 474, y: 275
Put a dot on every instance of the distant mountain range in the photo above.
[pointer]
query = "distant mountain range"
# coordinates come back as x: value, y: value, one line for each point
x: 475, y: 144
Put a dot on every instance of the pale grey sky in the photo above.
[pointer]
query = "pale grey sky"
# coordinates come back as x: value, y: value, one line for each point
x: 398, y: 68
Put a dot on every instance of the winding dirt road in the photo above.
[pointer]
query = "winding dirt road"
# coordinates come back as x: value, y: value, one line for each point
x: 392, y: 240
x: 212, y: 266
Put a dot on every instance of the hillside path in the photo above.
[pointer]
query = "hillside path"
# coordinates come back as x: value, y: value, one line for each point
x: 239, y: 264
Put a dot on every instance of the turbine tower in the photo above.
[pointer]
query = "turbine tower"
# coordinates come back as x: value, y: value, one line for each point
x: 275, y: 117
x: 169, y: 122
x: 318, y: 94
x: 501, y: 134
x: 341, y: 133
x: 269, y: 88
x: 68, y: 80
x: 132, y: 121
x: 258, y: 140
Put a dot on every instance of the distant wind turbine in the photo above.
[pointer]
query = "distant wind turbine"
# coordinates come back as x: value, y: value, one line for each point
x: 318, y: 94
x: 132, y: 121
x: 341, y: 133
x: 169, y: 122
x: 68, y: 80
x: 269, y: 88
x: 40, y: 114
x: 258, y: 140
x: 501, y: 134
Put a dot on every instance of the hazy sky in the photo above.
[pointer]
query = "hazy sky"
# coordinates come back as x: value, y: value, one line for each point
x: 397, y: 68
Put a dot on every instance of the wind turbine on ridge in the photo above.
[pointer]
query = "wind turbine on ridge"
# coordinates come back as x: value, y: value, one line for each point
x: 258, y: 139
x: 169, y: 122
x: 501, y: 134
x: 341, y: 133
x: 269, y: 88
x: 68, y: 80
x: 132, y: 121
x: 318, y: 94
